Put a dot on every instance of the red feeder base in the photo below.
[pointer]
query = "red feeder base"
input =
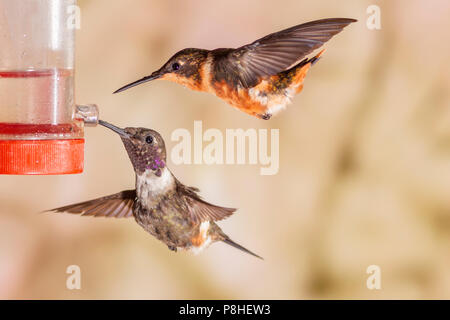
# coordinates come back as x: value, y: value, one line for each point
x: 41, y: 157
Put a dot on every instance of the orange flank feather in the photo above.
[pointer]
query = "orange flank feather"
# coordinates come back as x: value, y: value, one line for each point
x: 239, y: 98
x: 270, y: 94
x: 197, y: 240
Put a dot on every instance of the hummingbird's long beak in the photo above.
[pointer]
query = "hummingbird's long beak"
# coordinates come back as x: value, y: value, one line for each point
x: 155, y: 75
x: 117, y: 130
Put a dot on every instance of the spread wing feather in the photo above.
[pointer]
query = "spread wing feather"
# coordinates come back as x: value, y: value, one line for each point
x: 118, y: 205
x: 198, y: 209
x: 278, y: 51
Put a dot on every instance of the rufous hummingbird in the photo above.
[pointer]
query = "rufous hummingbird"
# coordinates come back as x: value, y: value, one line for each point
x: 162, y: 205
x: 260, y: 78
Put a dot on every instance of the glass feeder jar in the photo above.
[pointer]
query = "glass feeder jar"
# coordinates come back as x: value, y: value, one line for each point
x: 39, y: 132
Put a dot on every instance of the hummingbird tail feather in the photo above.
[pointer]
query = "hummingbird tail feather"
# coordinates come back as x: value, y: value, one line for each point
x: 316, y: 58
x: 301, y: 69
x: 238, y: 246
x: 304, y: 65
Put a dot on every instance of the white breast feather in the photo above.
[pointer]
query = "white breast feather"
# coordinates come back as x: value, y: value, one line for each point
x: 256, y: 95
x: 149, y: 185
x: 278, y: 104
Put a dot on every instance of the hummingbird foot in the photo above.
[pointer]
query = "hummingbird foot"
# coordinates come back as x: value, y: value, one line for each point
x: 172, y: 248
x: 265, y: 116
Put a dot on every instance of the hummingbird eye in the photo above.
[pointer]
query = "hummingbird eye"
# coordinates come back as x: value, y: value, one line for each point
x: 175, y: 66
x: 149, y: 139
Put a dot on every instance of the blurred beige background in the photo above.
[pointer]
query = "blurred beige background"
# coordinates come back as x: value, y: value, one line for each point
x: 364, y: 162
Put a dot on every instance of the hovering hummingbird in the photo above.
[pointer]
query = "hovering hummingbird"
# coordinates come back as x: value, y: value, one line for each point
x: 162, y: 205
x: 260, y: 78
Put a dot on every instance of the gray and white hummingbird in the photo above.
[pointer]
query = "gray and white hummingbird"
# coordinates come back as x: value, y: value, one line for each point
x: 162, y: 205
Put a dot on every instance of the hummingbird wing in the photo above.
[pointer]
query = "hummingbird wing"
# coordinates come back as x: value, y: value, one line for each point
x: 198, y: 209
x: 278, y: 51
x: 118, y: 205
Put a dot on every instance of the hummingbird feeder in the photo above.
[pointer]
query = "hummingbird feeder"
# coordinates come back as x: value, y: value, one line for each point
x: 41, y: 131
